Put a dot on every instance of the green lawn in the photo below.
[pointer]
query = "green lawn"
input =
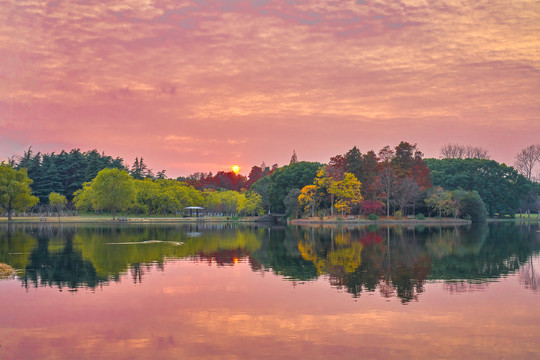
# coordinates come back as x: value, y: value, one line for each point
x: 525, y: 217
x: 89, y: 218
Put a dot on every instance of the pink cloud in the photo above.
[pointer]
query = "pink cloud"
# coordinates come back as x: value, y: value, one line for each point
x: 253, y: 80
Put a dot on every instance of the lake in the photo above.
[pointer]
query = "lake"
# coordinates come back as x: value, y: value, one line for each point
x: 233, y: 291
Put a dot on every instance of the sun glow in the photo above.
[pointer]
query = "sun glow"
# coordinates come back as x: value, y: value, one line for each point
x: 236, y: 169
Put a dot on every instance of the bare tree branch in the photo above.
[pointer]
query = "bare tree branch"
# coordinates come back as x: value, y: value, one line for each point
x: 526, y: 159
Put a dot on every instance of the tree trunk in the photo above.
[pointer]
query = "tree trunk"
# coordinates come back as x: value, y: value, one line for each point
x: 9, y: 208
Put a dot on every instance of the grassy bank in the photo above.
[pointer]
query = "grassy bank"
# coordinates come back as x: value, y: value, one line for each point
x: 315, y: 220
x: 122, y: 219
x: 380, y: 221
x: 526, y: 217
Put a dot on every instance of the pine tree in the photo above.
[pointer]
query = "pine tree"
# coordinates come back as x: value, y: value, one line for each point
x: 50, y: 180
x: 93, y: 165
x: 139, y: 170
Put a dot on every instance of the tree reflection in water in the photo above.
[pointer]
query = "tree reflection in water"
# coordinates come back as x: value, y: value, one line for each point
x: 528, y: 276
x: 391, y: 260
x: 64, y: 267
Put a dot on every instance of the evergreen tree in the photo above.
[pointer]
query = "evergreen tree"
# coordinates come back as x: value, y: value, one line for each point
x: 75, y: 171
x: 49, y: 181
x: 93, y: 165
x: 354, y: 162
x: 139, y: 170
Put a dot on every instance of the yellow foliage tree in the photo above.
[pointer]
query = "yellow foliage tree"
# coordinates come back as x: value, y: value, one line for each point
x: 308, y: 198
x: 324, y: 182
x: 347, y: 192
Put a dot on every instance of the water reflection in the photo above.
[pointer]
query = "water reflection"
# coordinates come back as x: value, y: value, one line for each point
x: 392, y: 261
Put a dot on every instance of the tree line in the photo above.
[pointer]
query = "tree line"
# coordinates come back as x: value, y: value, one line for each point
x: 394, y: 181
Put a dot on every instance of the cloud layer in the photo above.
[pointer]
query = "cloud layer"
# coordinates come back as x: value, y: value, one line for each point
x: 200, y: 85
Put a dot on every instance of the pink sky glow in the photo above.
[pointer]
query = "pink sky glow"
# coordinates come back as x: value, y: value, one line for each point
x: 202, y: 85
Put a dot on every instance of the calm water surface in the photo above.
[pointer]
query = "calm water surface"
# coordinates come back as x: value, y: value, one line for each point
x: 238, y: 292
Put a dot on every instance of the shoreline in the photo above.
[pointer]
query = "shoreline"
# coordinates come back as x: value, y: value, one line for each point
x: 173, y: 220
x: 427, y: 221
x: 109, y: 220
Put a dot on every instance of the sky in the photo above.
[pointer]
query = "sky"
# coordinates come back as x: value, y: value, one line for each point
x: 203, y: 85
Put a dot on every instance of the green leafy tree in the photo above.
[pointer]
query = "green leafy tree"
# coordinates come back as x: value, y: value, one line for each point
x: 112, y: 190
x: 250, y: 203
x: 441, y: 201
x: 292, y: 206
x: 278, y: 184
x: 262, y: 187
x: 164, y: 196
x: 225, y: 201
x: 58, y: 202
x: 470, y: 205
x: 15, y: 191
x: 500, y: 186
x: 82, y: 198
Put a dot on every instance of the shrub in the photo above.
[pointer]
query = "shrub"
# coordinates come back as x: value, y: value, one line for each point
x: 471, y: 205
x: 398, y: 214
x: 372, y: 207
x: 372, y: 217
x: 420, y: 216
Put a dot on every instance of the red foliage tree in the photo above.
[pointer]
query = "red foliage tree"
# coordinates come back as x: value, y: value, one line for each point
x: 255, y: 174
x: 336, y: 167
x: 420, y: 173
x: 372, y: 207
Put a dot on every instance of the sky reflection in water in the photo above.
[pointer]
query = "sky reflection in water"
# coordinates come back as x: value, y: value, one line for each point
x: 255, y: 292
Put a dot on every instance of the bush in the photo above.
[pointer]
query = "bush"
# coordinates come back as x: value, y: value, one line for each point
x: 471, y: 205
x: 420, y: 217
x: 372, y: 217
x: 398, y: 214
x: 372, y: 207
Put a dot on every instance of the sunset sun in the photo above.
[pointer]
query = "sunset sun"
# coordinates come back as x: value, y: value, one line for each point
x: 236, y: 169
